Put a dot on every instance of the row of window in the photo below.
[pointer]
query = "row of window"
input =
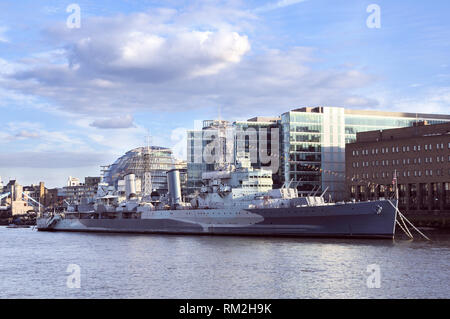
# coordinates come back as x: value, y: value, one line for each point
x: 405, y: 161
x: 396, y: 149
x: 427, y: 172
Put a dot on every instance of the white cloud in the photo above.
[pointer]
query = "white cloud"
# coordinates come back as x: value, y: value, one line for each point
x: 166, y: 61
x: 3, y: 37
x: 424, y: 100
x: 122, y: 122
x: 277, y: 5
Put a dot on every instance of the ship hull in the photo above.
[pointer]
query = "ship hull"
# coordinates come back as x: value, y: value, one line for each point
x: 374, y: 219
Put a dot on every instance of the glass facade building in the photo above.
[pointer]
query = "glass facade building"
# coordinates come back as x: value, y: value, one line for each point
x: 215, y: 136
x: 313, y: 143
x: 229, y: 141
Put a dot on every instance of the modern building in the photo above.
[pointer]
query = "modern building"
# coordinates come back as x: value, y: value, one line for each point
x: 208, y: 148
x: 259, y: 137
x: 311, y: 144
x: 154, y: 159
x: 221, y: 143
x: 419, y: 155
x: 314, y: 140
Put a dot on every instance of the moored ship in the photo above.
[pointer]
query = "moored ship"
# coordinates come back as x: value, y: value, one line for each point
x: 237, y: 200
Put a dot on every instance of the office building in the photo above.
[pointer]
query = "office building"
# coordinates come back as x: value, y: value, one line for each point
x: 220, y: 143
x: 314, y: 140
x: 419, y: 155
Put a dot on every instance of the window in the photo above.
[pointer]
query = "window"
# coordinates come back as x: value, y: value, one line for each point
x: 426, y: 147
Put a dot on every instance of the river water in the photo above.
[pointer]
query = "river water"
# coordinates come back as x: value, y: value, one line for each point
x: 35, y: 265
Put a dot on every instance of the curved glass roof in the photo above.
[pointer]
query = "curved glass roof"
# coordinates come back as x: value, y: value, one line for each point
x: 158, y: 160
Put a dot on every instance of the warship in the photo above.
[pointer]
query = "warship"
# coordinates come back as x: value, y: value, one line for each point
x: 237, y: 200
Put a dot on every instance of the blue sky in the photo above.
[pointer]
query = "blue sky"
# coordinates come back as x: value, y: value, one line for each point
x: 74, y: 99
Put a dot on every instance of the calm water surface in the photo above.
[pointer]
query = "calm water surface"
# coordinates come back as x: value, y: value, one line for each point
x: 34, y: 264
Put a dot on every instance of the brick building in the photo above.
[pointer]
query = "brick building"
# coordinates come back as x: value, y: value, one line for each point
x: 420, y: 155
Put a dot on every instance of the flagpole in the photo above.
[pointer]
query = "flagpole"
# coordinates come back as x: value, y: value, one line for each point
x: 395, y: 184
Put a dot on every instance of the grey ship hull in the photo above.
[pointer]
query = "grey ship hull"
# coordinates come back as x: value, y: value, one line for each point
x: 374, y: 219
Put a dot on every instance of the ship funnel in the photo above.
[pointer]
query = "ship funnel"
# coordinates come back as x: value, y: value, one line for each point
x: 173, y: 182
x: 130, y: 186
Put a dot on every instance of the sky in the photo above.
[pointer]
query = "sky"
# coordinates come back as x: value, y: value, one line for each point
x: 77, y: 96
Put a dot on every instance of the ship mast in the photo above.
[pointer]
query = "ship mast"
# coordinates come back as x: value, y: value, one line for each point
x: 147, y: 166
